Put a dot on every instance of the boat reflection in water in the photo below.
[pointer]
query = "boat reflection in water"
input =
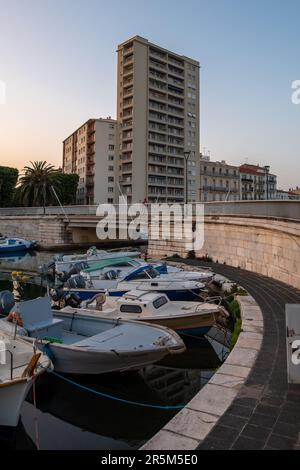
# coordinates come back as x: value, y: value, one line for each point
x: 96, y: 422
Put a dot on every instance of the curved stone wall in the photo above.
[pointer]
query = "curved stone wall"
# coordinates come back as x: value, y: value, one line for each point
x: 194, y: 422
x: 268, y: 246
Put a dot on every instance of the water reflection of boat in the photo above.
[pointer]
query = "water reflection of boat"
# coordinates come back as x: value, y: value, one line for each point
x: 103, y: 416
x: 112, y: 419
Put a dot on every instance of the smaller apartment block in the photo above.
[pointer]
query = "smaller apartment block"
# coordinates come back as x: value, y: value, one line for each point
x: 257, y: 183
x: 219, y: 181
x: 91, y: 152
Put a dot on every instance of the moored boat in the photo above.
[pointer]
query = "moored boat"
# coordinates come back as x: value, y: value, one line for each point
x: 156, y: 308
x: 10, y: 245
x: 85, y: 344
x: 19, y: 364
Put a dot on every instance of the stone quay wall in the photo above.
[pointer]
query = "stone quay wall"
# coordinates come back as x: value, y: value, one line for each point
x: 48, y: 231
x: 268, y: 246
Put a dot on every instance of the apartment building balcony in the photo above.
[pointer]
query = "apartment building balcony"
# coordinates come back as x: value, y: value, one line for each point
x: 90, y: 181
x: 248, y: 190
x: 174, y: 91
x: 127, y: 81
x: 219, y: 175
x: 157, y: 181
x: 158, y: 54
x: 175, y: 151
x: 128, y: 103
x: 157, y: 137
x: 157, y: 106
x: 176, y: 162
x: 127, y: 136
x: 175, y: 131
x: 176, y: 62
x: 157, y: 159
x: 175, y: 181
x: 127, y: 50
x: 127, y: 91
x: 157, y: 65
x: 91, y: 129
x: 158, y: 75
x: 128, y: 113
x: 157, y: 85
x: 176, y: 101
x: 126, y: 168
x: 175, y: 171
x: 158, y: 117
x: 127, y: 146
x: 126, y: 124
x: 174, y: 111
x: 156, y: 190
x: 161, y: 149
x: 126, y: 156
x: 176, y: 82
x: 176, y: 142
x: 176, y: 122
x: 208, y: 187
x: 125, y: 180
x: 127, y: 71
x: 158, y: 127
x: 176, y: 71
x: 156, y: 170
x: 248, y: 179
x: 128, y: 59
x: 158, y: 96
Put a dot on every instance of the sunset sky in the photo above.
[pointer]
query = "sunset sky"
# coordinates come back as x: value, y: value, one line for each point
x: 58, y: 61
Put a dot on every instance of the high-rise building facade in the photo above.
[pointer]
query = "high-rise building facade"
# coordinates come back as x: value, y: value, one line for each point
x: 158, y: 115
x: 91, y: 152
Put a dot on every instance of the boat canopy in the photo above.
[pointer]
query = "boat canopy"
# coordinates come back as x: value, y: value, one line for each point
x: 110, y: 262
x: 147, y: 268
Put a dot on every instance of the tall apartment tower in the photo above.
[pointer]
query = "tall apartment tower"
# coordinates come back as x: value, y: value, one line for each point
x: 91, y: 152
x: 158, y: 114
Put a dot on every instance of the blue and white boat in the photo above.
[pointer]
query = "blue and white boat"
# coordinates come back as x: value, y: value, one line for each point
x: 8, y: 245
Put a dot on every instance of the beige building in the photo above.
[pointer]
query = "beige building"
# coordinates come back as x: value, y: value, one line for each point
x: 158, y: 113
x: 91, y: 153
x: 219, y: 181
x: 257, y: 183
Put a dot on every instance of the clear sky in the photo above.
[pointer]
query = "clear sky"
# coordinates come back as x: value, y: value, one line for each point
x: 58, y: 60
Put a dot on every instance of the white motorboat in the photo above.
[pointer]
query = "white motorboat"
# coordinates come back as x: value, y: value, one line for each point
x: 85, y: 344
x: 19, y: 363
x: 64, y: 263
x: 152, y: 307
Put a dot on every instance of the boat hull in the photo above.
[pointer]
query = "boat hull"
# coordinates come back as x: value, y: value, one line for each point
x: 11, y: 399
x: 70, y: 361
x: 174, y: 295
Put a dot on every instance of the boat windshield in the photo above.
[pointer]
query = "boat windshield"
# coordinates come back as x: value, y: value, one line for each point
x: 149, y: 273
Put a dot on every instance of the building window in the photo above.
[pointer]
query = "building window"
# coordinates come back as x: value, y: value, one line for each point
x: 110, y: 179
x: 111, y: 147
x: 110, y: 158
x: 110, y: 168
x: 110, y: 200
x: 110, y: 190
x: 111, y: 136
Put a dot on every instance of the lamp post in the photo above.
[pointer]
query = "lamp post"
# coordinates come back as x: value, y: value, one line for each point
x: 187, y: 155
x: 267, y: 169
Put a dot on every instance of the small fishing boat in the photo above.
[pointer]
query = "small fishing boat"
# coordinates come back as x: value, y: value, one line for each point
x: 175, y: 289
x: 64, y: 263
x: 152, y: 307
x: 86, y: 344
x: 8, y: 245
x: 19, y: 364
x: 126, y: 266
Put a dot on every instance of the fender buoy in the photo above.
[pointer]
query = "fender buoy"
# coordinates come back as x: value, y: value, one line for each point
x: 15, y: 317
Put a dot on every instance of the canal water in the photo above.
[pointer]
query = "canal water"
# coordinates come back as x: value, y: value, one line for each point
x: 69, y: 417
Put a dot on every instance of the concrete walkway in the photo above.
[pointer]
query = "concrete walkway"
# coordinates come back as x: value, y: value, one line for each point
x: 266, y: 412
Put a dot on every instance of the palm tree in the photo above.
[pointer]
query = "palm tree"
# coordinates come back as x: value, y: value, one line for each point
x: 35, y: 184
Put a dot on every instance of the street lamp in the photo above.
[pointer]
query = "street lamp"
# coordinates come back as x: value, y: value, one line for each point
x: 187, y: 155
x: 267, y: 169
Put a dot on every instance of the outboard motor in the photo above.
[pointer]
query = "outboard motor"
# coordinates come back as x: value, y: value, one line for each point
x: 76, y: 282
x: 112, y: 274
x: 7, y: 302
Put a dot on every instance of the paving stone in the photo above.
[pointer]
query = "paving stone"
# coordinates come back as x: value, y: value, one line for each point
x: 225, y: 433
x: 280, y: 442
x: 288, y: 430
x: 227, y: 380
x: 262, y: 420
x: 192, y: 424
x: 242, y: 411
x: 242, y: 357
x: 246, y: 443
x: 166, y: 440
x: 237, y: 371
x: 235, y: 422
x: 256, y: 432
x: 213, y: 399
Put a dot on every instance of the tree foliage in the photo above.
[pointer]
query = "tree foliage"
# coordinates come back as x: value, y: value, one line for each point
x: 8, y: 180
x: 35, y: 184
x: 66, y: 184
